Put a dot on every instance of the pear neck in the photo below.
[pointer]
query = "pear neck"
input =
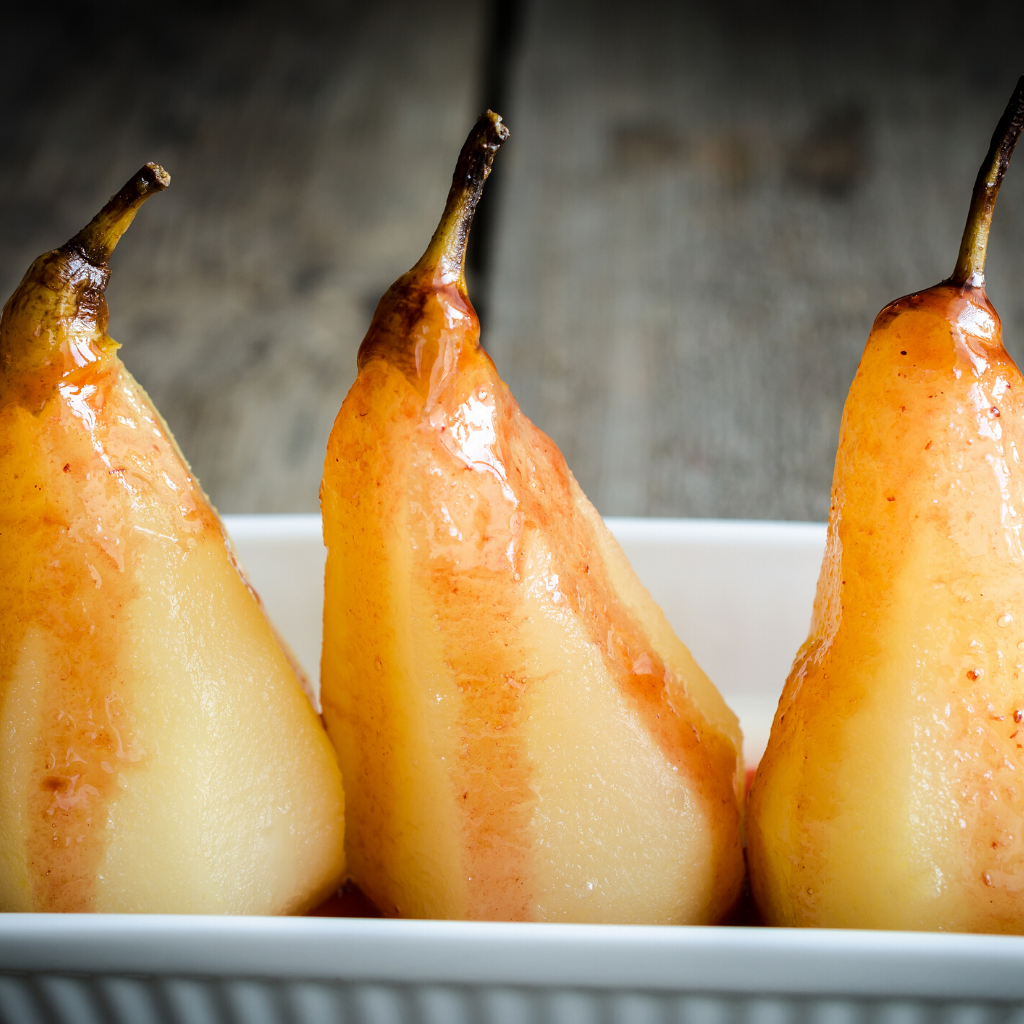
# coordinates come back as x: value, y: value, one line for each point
x: 445, y: 257
x: 56, y: 320
x: 970, y: 264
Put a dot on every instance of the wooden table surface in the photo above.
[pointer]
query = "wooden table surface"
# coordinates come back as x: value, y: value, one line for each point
x: 700, y: 211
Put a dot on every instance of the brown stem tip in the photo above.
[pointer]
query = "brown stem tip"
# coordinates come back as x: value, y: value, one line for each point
x: 96, y: 241
x: 448, y: 246
x: 970, y: 264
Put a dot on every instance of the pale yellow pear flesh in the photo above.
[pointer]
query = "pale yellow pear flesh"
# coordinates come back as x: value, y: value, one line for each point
x: 158, y: 752
x: 521, y: 735
x: 497, y: 763
x: 891, y: 794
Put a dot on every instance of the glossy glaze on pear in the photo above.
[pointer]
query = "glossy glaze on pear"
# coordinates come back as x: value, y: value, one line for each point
x: 521, y: 734
x: 157, y: 753
x: 891, y: 794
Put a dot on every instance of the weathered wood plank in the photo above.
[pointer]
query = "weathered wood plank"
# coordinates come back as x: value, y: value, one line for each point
x: 701, y: 210
x: 704, y: 206
x: 311, y: 148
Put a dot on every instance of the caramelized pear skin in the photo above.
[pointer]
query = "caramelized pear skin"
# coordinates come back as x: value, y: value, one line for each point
x: 157, y: 753
x: 891, y: 792
x: 522, y: 737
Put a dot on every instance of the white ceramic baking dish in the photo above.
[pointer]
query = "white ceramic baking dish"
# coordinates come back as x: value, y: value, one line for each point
x: 739, y: 594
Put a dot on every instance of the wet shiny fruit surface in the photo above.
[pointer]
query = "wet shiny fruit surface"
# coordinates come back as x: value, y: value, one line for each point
x: 157, y: 751
x: 521, y: 734
x: 891, y: 795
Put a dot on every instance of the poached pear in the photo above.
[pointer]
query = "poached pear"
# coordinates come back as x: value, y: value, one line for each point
x: 521, y: 735
x: 891, y: 794
x: 157, y: 752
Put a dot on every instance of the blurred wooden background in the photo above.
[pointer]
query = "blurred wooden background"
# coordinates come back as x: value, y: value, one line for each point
x: 684, y: 244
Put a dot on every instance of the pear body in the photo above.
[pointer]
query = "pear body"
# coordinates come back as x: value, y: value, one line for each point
x: 521, y: 735
x: 158, y: 753
x: 891, y: 793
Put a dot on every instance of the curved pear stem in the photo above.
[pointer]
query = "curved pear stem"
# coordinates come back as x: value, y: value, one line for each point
x: 447, y: 249
x: 970, y: 264
x: 96, y: 241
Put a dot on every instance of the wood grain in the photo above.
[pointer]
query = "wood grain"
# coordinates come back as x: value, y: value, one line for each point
x: 311, y: 148
x: 700, y: 211
x: 704, y: 206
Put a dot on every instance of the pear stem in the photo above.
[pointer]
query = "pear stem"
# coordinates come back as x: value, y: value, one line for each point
x: 96, y: 241
x: 447, y: 249
x: 970, y: 264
